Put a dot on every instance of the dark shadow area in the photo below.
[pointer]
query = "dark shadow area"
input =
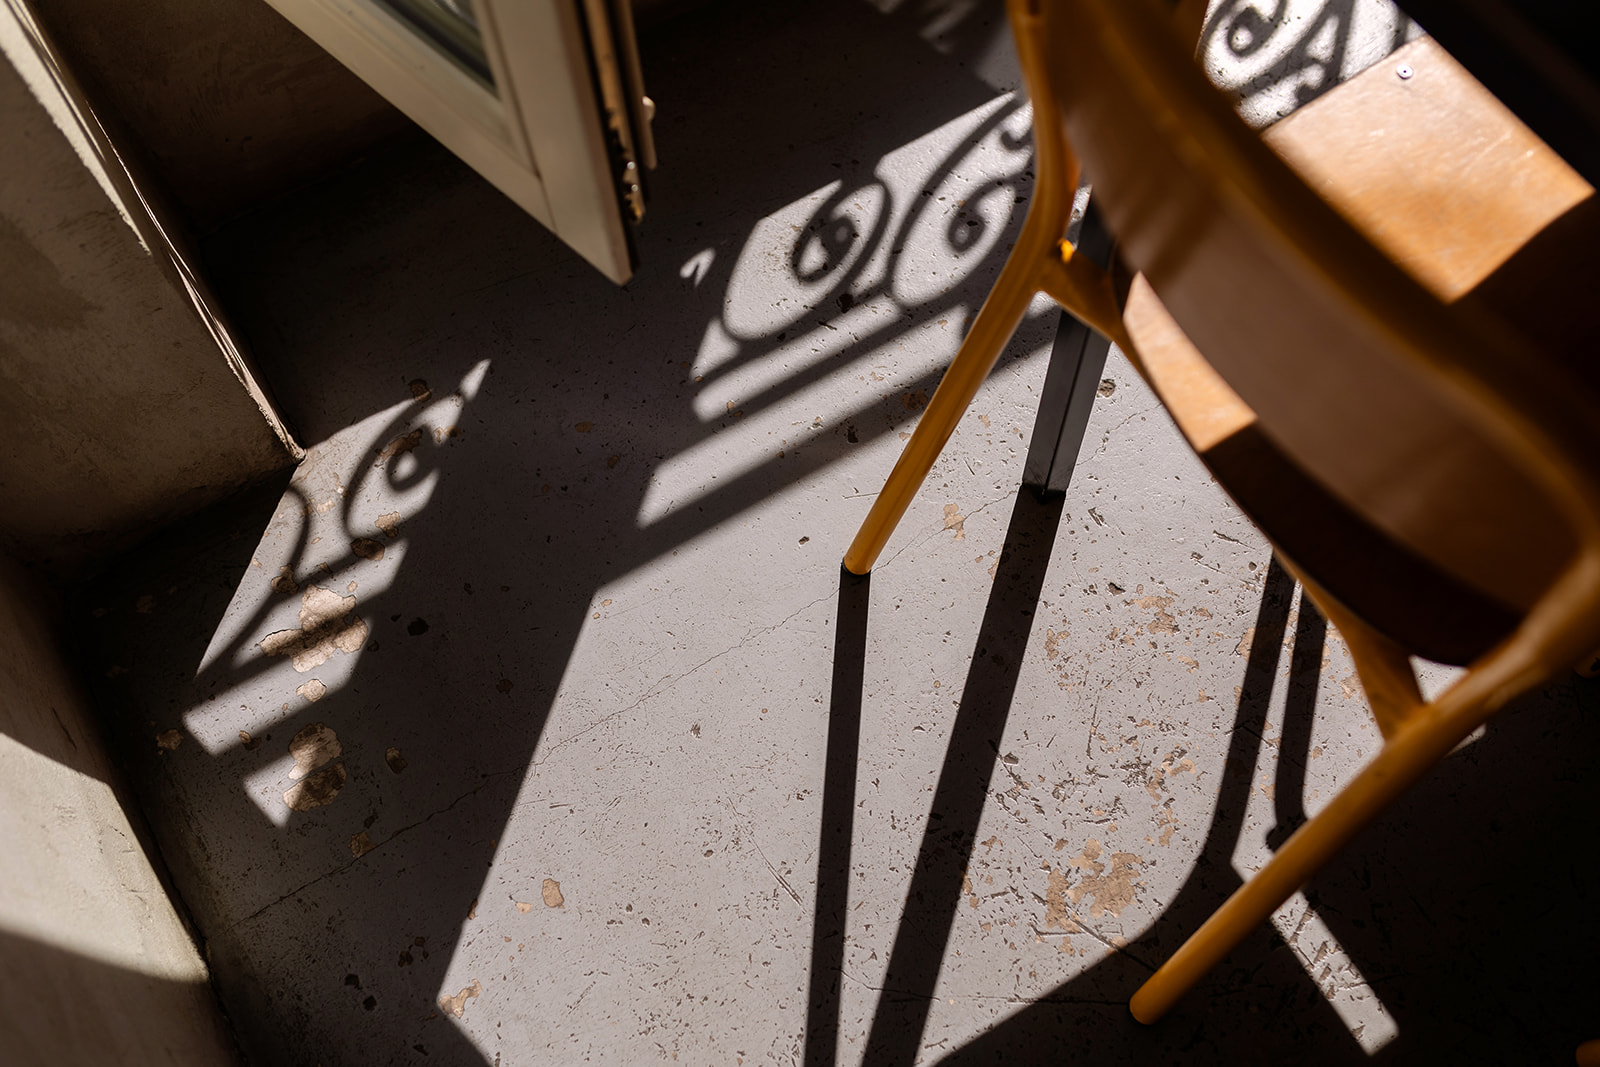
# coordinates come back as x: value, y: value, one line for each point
x: 969, y: 766
x: 1470, y: 903
x: 748, y: 121
x: 838, y: 818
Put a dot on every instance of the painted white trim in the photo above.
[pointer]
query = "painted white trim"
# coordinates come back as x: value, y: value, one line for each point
x: 538, y: 136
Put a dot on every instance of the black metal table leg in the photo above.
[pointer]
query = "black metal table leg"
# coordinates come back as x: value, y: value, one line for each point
x: 1076, y: 362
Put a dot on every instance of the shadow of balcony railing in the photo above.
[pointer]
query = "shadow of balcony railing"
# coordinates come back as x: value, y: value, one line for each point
x: 570, y: 434
x: 339, y: 692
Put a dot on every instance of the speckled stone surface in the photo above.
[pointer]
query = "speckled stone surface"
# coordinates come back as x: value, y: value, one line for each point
x: 503, y: 730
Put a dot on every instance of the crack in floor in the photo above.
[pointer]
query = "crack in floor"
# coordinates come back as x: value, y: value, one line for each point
x: 935, y: 533
x: 1105, y: 438
x: 760, y: 851
x: 297, y: 890
x: 664, y: 684
x: 1010, y: 998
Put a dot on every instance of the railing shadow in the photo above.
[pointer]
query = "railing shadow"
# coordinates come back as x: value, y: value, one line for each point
x: 1273, y: 60
x: 332, y: 917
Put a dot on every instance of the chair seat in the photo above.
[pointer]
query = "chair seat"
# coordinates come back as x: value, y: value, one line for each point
x: 1430, y: 168
x: 1453, y: 188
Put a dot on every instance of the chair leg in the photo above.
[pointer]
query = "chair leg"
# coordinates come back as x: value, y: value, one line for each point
x: 1419, y: 744
x: 996, y: 322
x: 1383, y: 666
x: 1040, y: 260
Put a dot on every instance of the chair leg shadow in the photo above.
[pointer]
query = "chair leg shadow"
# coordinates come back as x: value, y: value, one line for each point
x: 1094, y: 1002
x: 1299, y: 716
x: 838, y: 807
x: 964, y: 782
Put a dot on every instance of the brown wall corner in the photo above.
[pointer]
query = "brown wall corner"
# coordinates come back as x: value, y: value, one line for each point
x: 230, y: 105
x: 127, y: 401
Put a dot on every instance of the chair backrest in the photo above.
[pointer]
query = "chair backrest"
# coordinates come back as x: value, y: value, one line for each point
x: 1438, y: 424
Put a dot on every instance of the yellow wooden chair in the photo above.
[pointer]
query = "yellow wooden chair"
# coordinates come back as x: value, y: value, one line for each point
x: 1381, y: 390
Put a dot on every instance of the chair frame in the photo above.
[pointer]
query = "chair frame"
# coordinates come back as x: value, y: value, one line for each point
x: 1555, y: 632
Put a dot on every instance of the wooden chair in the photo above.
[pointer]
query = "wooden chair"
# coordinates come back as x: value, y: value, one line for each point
x: 1383, y: 388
